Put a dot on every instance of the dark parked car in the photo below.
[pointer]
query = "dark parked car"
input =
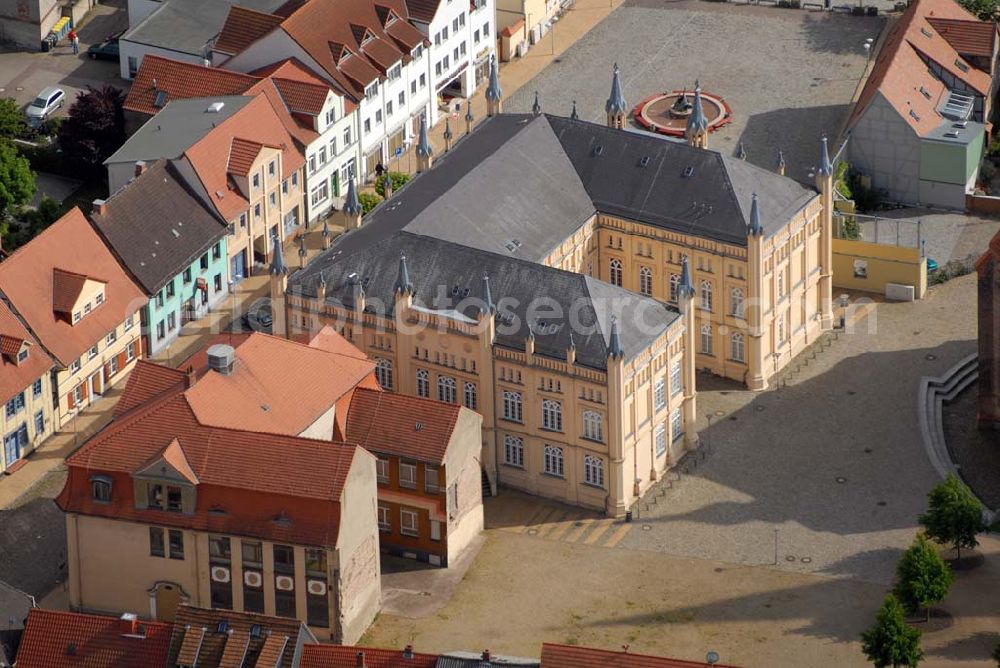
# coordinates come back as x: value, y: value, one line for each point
x: 107, y: 50
x: 258, y: 317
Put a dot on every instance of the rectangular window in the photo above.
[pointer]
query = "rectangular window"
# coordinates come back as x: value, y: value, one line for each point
x: 271, y: 168
x: 407, y: 475
x: 129, y: 323
x: 129, y: 352
x: 382, y: 470
x: 92, y: 353
x: 408, y: 523
x: 256, y: 181
x: 513, y: 451
x: 111, y: 337
x: 186, y: 276
x: 74, y: 366
x: 661, y: 439
x: 317, y: 602
x: 39, y: 423
x: 175, y: 501
x: 217, y: 251
x: 15, y: 405
x: 156, y: 547
x: 432, y: 482
x: 161, y: 330
x: 402, y: 98
x: 36, y: 388
x: 203, y: 261
x: 284, y: 581
x: 219, y: 558
x: 176, y: 538
x: 676, y: 424
x: 171, y: 321
x: 384, y: 522
x: 347, y: 137
x: 676, y: 379
x: 253, y: 582
x: 171, y: 290
x: 113, y: 366
x: 159, y: 299
x: 154, y: 496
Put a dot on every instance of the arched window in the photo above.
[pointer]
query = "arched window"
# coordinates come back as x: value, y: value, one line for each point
x: 646, y: 281
x: 551, y: 415
x: 593, y: 470
x: 512, y: 406
x: 675, y: 281
x: 706, y: 339
x: 100, y: 487
x: 736, y: 347
x: 470, y: 396
x: 706, y: 295
x: 423, y: 383
x: 446, y: 389
x: 513, y: 451
x: 383, y: 373
x: 615, y: 276
x: 553, y: 460
x: 593, y: 426
x: 736, y: 298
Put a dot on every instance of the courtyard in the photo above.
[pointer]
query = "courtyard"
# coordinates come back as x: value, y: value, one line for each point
x: 788, y: 75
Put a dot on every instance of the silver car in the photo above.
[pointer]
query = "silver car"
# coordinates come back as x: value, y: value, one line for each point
x: 50, y: 99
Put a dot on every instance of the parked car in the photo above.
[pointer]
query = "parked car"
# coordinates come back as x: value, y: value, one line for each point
x: 45, y: 104
x: 932, y: 265
x: 258, y: 317
x: 106, y: 50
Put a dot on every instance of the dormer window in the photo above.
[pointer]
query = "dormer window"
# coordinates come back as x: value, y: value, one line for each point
x: 22, y: 355
x: 86, y: 308
x: 372, y: 90
x: 76, y: 317
x: 99, y: 299
x: 100, y: 488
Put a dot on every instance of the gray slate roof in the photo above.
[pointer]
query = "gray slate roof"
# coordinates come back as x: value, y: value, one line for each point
x: 176, y: 128
x: 186, y: 26
x: 157, y: 227
x: 447, y: 277
x: 14, y: 607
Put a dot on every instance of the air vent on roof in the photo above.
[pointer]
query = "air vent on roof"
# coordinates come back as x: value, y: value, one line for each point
x: 177, y: 235
x: 688, y: 172
x: 926, y: 93
x: 599, y: 149
x: 221, y: 358
x: 926, y: 32
x: 951, y: 134
x: 960, y: 65
x: 161, y: 98
x: 219, y: 194
x: 914, y: 115
x: 418, y: 426
x: 644, y: 161
x: 352, y: 278
x: 215, y: 107
x: 512, y: 245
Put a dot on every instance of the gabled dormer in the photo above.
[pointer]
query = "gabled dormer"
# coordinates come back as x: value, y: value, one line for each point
x: 361, y: 34
x: 75, y: 295
x: 167, y: 482
x: 13, y: 349
x: 340, y: 53
x: 242, y: 156
x: 386, y: 15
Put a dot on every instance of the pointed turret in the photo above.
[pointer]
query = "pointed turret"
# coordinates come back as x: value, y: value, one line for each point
x: 321, y: 288
x: 575, y: 116
x: 278, y: 284
x: 615, y: 106
x: 278, y: 267
x: 403, y: 285
x: 781, y: 162
x: 696, y: 131
x: 488, y: 305
x: 571, y: 350
x: 825, y: 166
x: 536, y: 106
x: 741, y: 151
x: 424, y: 151
x: 352, y: 207
x: 754, y: 227
x: 685, y: 288
x: 494, y: 94
x: 615, y: 350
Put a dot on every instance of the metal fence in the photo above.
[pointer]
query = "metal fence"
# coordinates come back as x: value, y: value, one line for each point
x: 902, y: 232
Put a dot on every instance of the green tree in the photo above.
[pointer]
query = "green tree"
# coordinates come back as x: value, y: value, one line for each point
x: 95, y: 126
x: 985, y: 10
x: 996, y: 654
x: 922, y: 577
x: 953, y: 515
x: 368, y: 201
x: 399, y: 179
x: 17, y: 181
x: 11, y: 119
x: 890, y: 642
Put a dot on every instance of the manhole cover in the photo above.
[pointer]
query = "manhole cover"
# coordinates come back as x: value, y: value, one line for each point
x: 532, y: 532
x: 841, y: 480
x: 806, y: 560
x: 646, y: 527
x: 881, y: 503
x: 790, y: 558
x: 930, y: 358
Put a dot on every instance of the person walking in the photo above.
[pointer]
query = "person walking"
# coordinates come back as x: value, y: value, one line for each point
x: 74, y: 41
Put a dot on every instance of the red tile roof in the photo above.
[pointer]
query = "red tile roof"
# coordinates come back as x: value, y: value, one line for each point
x: 227, y: 650
x: 242, y: 28
x: 342, y: 656
x: 422, y: 10
x: 302, y: 131
x: 181, y: 80
x: 28, y: 281
x: 900, y: 72
x: 66, y: 289
x: 302, y: 97
x: 55, y: 639
x: 397, y: 424
x: 970, y: 37
x: 147, y: 381
x: 15, y: 378
x: 242, y: 153
x: 572, y: 656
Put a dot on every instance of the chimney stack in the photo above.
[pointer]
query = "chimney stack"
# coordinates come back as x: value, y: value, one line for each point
x: 140, y: 167
x: 359, y: 660
x: 486, y: 655
x: 100, y: 207
x: 189, y: 377
x: 408, y: 652
x: 130, y: 625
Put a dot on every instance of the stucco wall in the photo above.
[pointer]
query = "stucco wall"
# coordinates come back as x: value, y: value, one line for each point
x: 462, y: 466
x: 884, y: 264
x: 357, y: 547
x: 884, y: 147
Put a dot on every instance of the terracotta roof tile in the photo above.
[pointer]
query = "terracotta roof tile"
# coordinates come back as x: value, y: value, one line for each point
x: 28, y: 281
x: 242, y: 153
x: 178, y: 80
x: 975, y: 38
x: 343, y: 656
x: 190, y: 645
x: 55, y: 639
x: 301, y: 131
x: 423, y: 10
x: 147, y: 380
x: 567, y: 656
x: 66, y: 289
x: 15, y: 378
x: 397, y: 424
x: 302, y: 97
x: 221, y: 650
x: 242, y: 28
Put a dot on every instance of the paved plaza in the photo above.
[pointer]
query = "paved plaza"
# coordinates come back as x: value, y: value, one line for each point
x: 788, y: 75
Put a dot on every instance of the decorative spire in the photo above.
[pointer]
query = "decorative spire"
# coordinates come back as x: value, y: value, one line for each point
x: 781, y: 161
x: 614, y: 340
x: 575, y: 116
x: 424, y: 149
x: 488, y: 305
x: 278, y: 267
x: 755, y: 227
x: 403, y: 285
x: 572, y: 343
x: 741, y: 151
x: 352, y: 205
x: 696, y: 121
x: 616, y: 103
x: 493, y: 90
x: 825, y: 166
x: 536, y: 107
x: 685, y: 288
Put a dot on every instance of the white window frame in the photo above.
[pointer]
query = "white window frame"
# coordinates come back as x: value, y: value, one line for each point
x: 513, y: 451
x: 382, y: 470
x: 615, y: 272
x: 414, y: 519
x: 706, y: 339
x: 551, y: 415
x: 676, y: 378
x: 593, y: 426
x: 446, y: 389
x: 384, y: 521
x: 513, y: 406
x: 471, y: 395
x: 646, y: 281
x: 736, y: 347
x: 660, y: 439
x: 553, y: 462
x: 383, y: 373
x: 423, y: 383
x: 593, y: 471
x: 659, y: 394
x: 409, y: 480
